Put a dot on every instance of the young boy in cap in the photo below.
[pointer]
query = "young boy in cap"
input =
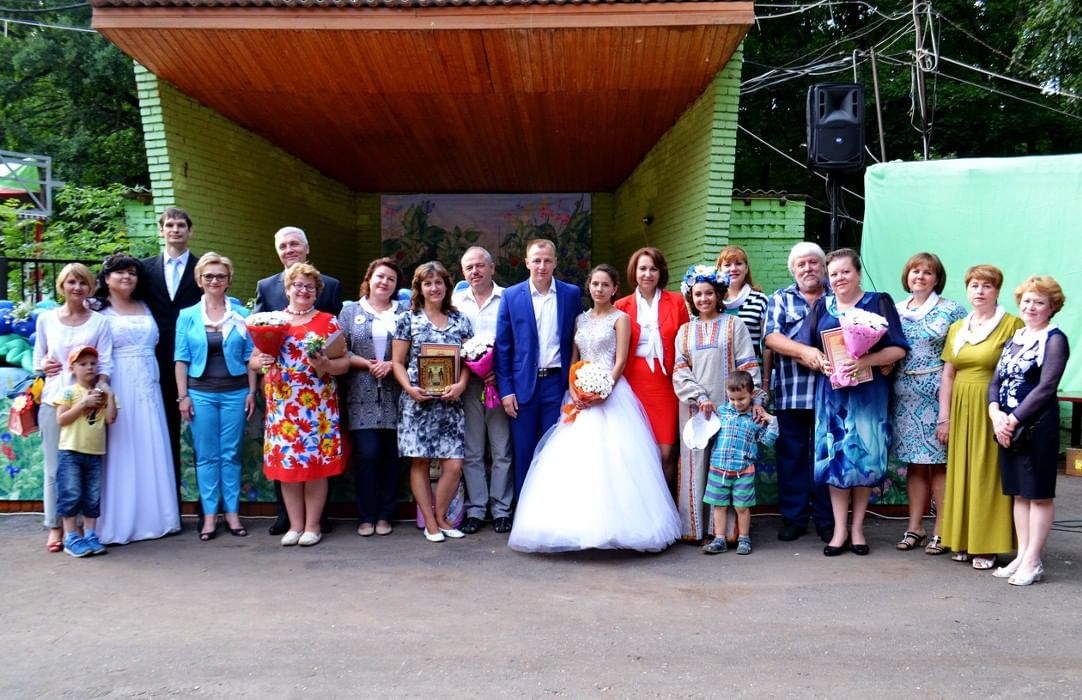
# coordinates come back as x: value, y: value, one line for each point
x: 82, y: 414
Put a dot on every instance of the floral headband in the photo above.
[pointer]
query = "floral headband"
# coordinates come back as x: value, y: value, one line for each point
x: 701, y: 273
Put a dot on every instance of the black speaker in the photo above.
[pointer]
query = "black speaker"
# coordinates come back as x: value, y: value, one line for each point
x: 836, y: 126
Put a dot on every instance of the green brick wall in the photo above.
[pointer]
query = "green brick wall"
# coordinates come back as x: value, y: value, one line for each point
x: 239, y: 189
x: 767, y: 228
x: 602, y: 233
x: 685, y: 182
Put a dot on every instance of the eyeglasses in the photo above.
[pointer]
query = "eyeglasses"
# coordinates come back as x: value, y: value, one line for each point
x: 215, y: 277
x: 302, y: 287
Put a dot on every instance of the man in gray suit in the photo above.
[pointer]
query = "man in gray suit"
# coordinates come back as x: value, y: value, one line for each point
x: 270, y: 295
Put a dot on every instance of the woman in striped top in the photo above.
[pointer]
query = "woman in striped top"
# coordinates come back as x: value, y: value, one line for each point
x: 747, y: 301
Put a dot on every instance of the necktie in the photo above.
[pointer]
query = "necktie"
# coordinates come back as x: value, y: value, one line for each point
x: 175, y: 262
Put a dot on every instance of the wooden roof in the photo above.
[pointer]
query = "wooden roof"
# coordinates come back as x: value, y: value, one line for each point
x: 476, y: 98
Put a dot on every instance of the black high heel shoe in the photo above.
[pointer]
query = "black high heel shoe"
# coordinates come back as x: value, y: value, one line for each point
x: 861, y: 550
x: 829, y: 551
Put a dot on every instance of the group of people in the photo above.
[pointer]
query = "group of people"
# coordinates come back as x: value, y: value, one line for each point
x: 661, y: 453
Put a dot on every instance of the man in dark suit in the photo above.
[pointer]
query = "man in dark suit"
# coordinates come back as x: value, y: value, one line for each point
x: 291, y: 243
x: 535, y: 330
x: 168, y: 285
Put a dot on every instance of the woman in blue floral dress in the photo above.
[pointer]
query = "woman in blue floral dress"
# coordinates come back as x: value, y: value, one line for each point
x: 920, y: 435
x: 431, y: 427
x: 852, y: 424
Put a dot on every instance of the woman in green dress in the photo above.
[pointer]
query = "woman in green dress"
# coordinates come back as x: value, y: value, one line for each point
x: 976, y: 515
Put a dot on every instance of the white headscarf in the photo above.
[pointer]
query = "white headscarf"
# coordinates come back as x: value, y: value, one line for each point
x: 646, y: 316
x: 230, y: 322
x: 917, y: 314
x: 1026, y: 339
x: 976, y: 336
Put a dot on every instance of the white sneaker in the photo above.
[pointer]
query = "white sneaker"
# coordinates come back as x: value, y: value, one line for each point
x: 291, y: 538
x: 310, y: 538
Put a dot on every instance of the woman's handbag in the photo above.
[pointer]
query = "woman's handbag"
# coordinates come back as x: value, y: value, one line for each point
x: 1021, y: 437
x: 23, y: 417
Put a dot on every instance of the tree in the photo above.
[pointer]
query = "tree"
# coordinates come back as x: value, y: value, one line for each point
x: 1051, y: 41
x: 71, y: 96
x: 972, y: 114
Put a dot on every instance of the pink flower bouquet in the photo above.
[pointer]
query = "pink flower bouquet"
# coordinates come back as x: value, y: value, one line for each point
x: 479, y: 354
x: 861, y: 330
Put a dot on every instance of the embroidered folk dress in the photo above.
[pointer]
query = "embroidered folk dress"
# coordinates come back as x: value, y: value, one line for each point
x: 976, y: 515
x: 706, y: 352
x: 302, y: 438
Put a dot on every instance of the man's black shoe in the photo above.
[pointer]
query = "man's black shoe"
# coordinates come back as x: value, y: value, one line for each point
x: 502, y: 525
x: 790, y: 531
x: 280, y: 527
x: 471, y: 525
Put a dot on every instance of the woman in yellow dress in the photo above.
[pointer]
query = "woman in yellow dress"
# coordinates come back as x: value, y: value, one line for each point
x: 976, y: 515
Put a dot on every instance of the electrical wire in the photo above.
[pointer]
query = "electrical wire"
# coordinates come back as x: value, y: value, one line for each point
x: 780, y: 152
x: 39, y: 10
x: 45, y: 25
x: 1044, y: 89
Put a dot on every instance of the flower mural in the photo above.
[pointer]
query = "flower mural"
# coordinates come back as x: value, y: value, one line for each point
x: 420, y: 228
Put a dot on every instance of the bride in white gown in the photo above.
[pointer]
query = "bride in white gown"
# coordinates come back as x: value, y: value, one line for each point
x: 597, y: 482
x: 139, y: 491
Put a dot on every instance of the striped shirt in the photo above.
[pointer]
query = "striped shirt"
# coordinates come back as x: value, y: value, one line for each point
x: 793, y: 383
x: 753, y: 313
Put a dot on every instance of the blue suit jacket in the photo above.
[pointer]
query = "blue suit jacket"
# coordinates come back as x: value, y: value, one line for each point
x: 191, y: 344
x: 516, y: 337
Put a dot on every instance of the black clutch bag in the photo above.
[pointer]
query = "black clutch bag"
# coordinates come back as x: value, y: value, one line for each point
x: 1021, y: 437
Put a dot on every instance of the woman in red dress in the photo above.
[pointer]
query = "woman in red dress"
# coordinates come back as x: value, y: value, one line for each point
x: 656, y: 316
x: 302, y: 443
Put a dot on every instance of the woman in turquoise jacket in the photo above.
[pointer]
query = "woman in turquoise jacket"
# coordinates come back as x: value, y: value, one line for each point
x: 216, y: 390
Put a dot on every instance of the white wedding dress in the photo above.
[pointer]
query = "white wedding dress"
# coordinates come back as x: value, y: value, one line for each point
x: 138, y: 491
x: 597, y: 483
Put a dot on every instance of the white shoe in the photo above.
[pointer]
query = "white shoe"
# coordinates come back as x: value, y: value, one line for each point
x: 1008, y: 570
x: 291, y: 538
x: 438, y: 537
x: 454, y: 533
x: 310, y: 538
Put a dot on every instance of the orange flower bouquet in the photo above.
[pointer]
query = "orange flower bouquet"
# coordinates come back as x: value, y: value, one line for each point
x: 590, y: 381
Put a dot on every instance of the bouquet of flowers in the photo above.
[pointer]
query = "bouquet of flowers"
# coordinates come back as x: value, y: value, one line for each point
x: 861, y: 330
x: 479, y: 355
x: 333, y: 346
x: 268, y: 330
x: 592, y: 381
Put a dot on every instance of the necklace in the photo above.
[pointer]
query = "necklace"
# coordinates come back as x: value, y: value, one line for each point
x: 305, y: 312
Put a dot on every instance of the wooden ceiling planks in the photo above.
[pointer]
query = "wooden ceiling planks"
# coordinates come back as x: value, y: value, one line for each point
x: 502, y: 106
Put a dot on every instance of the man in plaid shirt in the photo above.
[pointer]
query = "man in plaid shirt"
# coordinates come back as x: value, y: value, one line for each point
x: 796, y: 368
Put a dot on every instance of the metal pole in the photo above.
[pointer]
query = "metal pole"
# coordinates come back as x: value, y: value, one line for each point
x: 878, y: 108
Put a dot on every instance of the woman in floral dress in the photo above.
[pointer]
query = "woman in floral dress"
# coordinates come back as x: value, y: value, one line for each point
x: 302, y: 443
x: 920, y: 436
x: 708, y: 348
x: 431, y: 427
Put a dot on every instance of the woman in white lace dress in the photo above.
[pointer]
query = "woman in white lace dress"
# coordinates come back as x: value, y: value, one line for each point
x: 139, y: 493
x: 596, y: 482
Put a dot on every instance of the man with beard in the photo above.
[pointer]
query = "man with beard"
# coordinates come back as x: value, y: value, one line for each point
x: 796, y: 368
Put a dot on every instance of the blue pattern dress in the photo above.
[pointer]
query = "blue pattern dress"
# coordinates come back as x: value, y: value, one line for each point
x: 915, y: 410
x: 852, y: 424
x: 434, y: 428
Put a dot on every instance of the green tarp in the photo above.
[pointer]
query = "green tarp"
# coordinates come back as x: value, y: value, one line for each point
x: 1023, y: 215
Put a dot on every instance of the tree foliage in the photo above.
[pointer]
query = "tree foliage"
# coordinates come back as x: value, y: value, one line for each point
x: 71, y: 96
x: 972, y: 114
x: 1051, y: 41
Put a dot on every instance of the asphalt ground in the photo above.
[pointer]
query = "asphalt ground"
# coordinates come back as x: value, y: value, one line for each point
x: 399, y: 617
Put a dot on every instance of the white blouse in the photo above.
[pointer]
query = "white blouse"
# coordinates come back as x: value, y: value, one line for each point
x: 55, y: 339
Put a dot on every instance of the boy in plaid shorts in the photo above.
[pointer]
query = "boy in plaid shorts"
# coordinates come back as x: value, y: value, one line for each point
x: 731, y: 480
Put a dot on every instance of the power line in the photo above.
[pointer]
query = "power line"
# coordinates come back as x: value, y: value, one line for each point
x: 1045, y: 89
x: 45, y: 25
x: 38, y: 10
x: 780, y: 152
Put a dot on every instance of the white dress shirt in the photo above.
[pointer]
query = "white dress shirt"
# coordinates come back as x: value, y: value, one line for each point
x: 482, y: 316
x: 168, y: 264
x: 546, y: 317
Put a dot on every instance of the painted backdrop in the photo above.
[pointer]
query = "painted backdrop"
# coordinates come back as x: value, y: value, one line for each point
x: 423, y: 227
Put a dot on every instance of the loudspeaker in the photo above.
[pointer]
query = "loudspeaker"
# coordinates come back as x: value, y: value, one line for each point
x: 836, y: 126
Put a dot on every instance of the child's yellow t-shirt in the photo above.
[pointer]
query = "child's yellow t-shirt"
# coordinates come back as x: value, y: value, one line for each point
x: 86, y: 434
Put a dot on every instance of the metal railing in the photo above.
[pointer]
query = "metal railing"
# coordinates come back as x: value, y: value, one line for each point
x: 34, y: 278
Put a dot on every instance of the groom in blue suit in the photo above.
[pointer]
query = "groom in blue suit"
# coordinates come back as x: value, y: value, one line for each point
x: 534, y: 333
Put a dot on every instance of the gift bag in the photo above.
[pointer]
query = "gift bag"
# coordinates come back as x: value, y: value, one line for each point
x: 456, y: 511
x: 23, y: 418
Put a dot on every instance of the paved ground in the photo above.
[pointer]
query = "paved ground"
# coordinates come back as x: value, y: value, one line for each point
x: 396, y: 616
